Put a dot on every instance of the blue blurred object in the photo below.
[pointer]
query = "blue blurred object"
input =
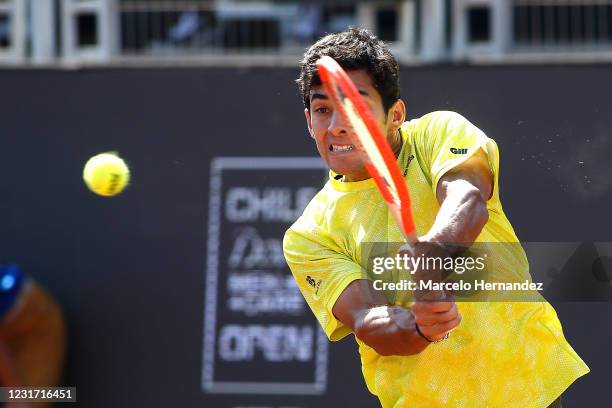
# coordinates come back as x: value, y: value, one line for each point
x: 11, y: 282
x: 188, y: 25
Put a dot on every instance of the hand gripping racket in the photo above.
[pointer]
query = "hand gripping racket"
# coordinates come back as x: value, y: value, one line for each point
x: 371, y: 142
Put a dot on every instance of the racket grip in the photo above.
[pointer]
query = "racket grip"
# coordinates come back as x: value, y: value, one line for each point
x: 409, y: 236
x: 411, y: 247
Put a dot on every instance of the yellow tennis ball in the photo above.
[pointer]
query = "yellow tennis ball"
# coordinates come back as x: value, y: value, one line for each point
x: 106, y: 174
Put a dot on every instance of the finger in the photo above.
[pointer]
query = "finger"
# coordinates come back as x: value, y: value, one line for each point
x: 434, y: 296
x: 439, y: 330
x: 430, y: 295
x: 436, y: 337
x: 437, y: 318
x: 431, y: 307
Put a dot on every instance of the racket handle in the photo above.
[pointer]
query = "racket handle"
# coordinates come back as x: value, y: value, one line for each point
x: 409, y: 246
x: 409, y: 236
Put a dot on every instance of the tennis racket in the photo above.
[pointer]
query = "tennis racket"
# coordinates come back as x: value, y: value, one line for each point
x: 371, y: 142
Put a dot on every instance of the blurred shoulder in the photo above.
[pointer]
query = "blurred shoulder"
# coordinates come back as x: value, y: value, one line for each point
x: 312, y: 221
x: 435, y: 118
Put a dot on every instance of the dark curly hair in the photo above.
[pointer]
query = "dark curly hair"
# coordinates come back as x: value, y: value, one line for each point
x: 353, y: 49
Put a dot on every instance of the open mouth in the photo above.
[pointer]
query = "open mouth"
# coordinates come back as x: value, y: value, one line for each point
x: 341, y: 148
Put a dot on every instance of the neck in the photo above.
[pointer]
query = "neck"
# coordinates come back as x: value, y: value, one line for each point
x: 396, y: 142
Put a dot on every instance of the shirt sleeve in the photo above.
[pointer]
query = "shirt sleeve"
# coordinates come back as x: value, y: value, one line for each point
x: 321, y: 274
x: 445, y: 139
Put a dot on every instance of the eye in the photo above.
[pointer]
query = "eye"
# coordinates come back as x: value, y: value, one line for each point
x: 321, y: 110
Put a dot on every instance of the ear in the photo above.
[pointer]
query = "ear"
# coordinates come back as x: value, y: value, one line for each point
x: 397, y: 114
x: 309, y: 122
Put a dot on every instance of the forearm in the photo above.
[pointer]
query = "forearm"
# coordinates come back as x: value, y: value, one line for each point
x: 462, y: 215
x: 390, y: 330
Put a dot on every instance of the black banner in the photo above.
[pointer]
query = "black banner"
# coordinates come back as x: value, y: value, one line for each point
x: 260, y: 337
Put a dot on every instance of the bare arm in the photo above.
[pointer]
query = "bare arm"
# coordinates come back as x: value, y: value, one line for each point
x: 462, y: 194
x: 391, y: 330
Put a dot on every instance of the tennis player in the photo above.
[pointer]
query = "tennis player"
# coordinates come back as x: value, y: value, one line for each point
x: 422, y: 353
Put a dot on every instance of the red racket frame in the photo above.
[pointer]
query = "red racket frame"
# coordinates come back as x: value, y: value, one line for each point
x: 331, y: 73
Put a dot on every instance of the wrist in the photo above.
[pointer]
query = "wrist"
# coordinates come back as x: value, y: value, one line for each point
x: 429, y: 340
x: 420, y: 333
x: 411, y: 340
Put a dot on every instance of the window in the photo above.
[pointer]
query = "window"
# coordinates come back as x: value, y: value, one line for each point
x: 386, y: 24
x: 479, y: 24
x: 87, y: 29
x: 5, y: 31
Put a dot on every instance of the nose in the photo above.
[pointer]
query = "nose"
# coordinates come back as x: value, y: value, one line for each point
x: 338, y: 125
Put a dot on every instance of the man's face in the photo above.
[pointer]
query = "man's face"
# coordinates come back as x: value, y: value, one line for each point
x: 332, y: 133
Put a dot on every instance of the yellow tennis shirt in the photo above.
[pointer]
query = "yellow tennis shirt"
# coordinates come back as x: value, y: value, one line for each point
x: 503, y: 354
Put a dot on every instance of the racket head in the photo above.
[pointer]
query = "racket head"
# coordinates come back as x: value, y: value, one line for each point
x: 370, y: 141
